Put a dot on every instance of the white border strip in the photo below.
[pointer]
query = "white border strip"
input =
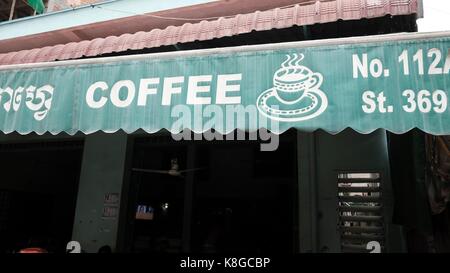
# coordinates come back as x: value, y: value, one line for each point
x: 250, y: 48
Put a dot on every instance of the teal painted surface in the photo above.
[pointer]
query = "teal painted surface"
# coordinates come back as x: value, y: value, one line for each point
x: 331, y: 80
x: 102, y: 173
x: 87, y: 15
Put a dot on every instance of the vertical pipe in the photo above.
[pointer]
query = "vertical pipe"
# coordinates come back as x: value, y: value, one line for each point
x: 307, y: 193
x: 128, y: 198
x: 13, y: 7
x: 188, y: 200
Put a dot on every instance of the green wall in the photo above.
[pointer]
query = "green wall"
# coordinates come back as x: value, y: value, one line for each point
x: 102, y: 173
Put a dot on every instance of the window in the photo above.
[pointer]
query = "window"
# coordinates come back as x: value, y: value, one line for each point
x: 360, y: 211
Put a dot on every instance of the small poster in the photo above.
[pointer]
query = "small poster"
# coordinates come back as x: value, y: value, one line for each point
x: 110, y: 206
x: 111, y: 199
x: 110, y: 212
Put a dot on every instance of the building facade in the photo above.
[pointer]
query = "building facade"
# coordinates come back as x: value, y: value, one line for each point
x: 105, y: 165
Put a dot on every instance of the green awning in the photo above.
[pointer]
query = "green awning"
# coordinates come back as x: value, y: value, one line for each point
x: 393, y: 82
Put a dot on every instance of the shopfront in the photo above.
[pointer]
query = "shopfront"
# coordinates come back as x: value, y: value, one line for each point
x: 318, y: 182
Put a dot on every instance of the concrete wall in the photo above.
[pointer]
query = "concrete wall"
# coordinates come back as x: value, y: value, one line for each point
x: 55, y: 5
x: 85, y: 15
x: 102, y: 173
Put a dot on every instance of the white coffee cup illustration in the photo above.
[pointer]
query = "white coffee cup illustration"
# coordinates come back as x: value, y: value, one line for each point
x: 296, y: 93
x: 292, y: 81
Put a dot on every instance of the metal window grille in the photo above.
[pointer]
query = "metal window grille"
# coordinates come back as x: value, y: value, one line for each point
x: 360, y: 207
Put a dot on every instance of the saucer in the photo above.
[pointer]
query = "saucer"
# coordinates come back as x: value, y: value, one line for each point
x: 312, y: 105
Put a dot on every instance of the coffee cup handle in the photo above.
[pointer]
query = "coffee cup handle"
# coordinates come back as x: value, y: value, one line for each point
x: 316, y: 79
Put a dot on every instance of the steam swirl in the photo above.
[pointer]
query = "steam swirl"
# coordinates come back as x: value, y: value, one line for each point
x: 293, y: 61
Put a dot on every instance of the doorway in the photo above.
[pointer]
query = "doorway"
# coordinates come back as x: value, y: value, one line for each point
x: 232, y: 198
